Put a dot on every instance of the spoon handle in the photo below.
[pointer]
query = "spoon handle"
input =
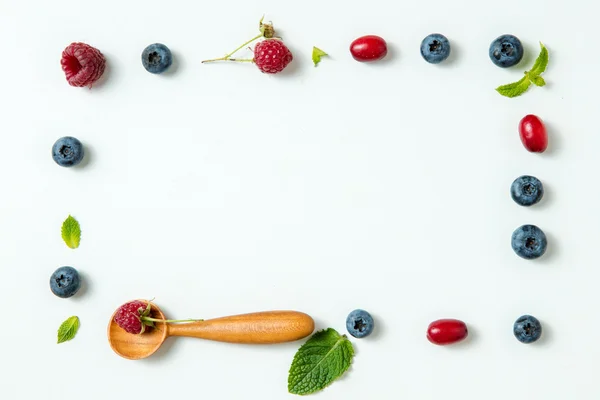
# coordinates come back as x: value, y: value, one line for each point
x: 256, y: 328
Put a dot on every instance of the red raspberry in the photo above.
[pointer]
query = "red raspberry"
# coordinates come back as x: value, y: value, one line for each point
x: 272, y: 56
x: 128, y: 316
x: 83, y: 64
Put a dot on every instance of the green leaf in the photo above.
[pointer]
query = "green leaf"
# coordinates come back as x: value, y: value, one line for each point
x: 540, y: 63
x: 532, y: 76
x: 317, y: 54
x: 537, y: 80
x: 68, y: 329
x: 320, y: 361
x: 516, y: 88
x: 71, y: 232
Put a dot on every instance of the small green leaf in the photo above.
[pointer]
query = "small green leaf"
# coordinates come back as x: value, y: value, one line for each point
x: 68, y: 329
x: 537, y: 80
x: 317, y: 54
x: 516, y: 88
x: 540, y: 63
x: 320, y: 361
x: 71, y: 232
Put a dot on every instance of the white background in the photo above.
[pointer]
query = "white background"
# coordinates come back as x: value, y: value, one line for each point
x: 219, y: 190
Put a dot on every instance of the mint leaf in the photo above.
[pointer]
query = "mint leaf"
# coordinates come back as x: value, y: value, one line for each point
x: 516, y: 88
x: 532, y: 76
x: 320, y: 361
x: 68, y: 329
x: 71, y: 232
x: 317, y: 54
x: 537, y: 80
x: 540, y: 64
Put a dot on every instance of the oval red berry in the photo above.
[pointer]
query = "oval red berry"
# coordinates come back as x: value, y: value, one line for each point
x: 446, y: 331
x: 533, y: 134
x: 368, y: 48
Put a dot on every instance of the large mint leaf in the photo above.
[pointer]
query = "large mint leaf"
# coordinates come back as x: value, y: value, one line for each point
x: 320, y: 361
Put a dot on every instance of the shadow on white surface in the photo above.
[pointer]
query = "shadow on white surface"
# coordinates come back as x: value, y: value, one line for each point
x: 164, y: 351
x: 547, y: 336
x: 530, y: 53
x: 554, y: 138
x: 547, y: 200
x: 552, y: 251
x: 391, y: 56
x: 296, y: 67
x: 471, y: 339
x: 83, y: 289
x: 378, y: 330
x: 88, y: 158
x: 175, y: 66
x: 453, y: 58
x: 319, y: 325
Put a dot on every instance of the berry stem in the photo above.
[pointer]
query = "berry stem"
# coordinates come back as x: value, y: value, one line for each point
x: 169, y: 320
x: 241, y: 59
x: 226, y: 57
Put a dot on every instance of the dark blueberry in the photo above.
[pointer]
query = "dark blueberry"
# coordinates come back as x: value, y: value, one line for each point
x: 529, y: 242
x: 527, y: 329
x: 506, y: 51
x: 157, y: 58
x: 435, y: 48
x: 67, y: 151
x: 65, y: 282
x: 359, y: 323
x: 527, y: 190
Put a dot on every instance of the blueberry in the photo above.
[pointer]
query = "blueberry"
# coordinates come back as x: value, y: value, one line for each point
x: 529, y: 242
x: 506, y: 51
x: 359, y: 323
x: 67, y: 151
x: 435, y: 48
x: 157, y: 58
x: 527, y: 190
x: 65, y: 282
x: 527, y: 329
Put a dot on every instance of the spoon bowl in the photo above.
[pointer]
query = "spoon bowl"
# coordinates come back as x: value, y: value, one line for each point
x: 266, y: 327
x: 132, y: 346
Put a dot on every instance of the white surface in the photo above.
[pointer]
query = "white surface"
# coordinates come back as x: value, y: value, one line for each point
x: 219, y: 190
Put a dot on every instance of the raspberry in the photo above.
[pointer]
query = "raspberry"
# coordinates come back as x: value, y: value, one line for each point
x: 272, y: 56
x: 128, y: 316
x: 135, y: 317
x: 83, y: 64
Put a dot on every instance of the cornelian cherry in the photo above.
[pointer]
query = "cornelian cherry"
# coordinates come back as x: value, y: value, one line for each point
x: 368, y: 48
x: 533, y: 134
x: 446, y: 331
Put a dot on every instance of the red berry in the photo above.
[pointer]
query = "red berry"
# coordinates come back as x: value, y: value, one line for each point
x: 368, y: 48
x: 272, y: 56
x: 128, y: 316
x: 533, y: 134
x: 83, y: 64
x: 446, y: 331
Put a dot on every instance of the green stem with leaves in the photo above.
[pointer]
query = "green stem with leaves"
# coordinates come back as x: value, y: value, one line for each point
x: 169, y: 320
x: 227, y: 57
x: 532, y: 76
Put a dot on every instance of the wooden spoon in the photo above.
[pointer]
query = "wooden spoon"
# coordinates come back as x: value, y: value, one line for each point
x: 257, y: 328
